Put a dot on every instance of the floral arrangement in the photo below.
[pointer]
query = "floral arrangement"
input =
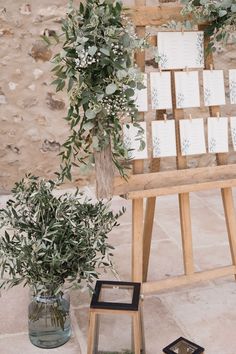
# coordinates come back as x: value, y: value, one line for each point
x: 97, y: 66
x: 50, y: 240
x: 221, y: 16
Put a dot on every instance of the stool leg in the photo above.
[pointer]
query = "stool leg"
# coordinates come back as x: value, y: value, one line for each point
x: 143, y: 349
x: 91, y: 332
x: 137, y: 332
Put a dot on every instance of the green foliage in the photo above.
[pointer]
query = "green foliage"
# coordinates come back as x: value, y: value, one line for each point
x: 220, y: 14
x: 50, y: 240
x: 96, y: 65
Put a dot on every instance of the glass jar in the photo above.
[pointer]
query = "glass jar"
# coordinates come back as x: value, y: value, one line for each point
x: 49, y: 320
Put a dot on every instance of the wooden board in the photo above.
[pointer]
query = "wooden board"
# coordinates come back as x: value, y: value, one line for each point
x: 154, y: 15
x: 151, y: 287
x: 176, y: 181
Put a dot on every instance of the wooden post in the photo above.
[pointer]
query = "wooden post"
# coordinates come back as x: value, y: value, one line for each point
x: 184, y: 201
x: 137, y: 205
x: 222, y: 159
x: 91, y: 332
x: 150, y: 213
x: 104, y: 173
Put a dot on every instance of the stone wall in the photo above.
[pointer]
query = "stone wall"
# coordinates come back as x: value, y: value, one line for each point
x: 31, y: 115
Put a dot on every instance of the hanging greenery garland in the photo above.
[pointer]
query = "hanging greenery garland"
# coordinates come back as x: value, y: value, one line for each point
x: 221, y: 16
x: 96, y: 65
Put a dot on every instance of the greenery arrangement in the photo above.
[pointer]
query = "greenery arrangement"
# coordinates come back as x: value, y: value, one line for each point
x: 96, y: 65
x: 51, y: 240
x: 220, y: 14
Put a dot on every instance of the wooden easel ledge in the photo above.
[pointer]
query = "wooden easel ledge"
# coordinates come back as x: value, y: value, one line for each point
x: 176, y: 181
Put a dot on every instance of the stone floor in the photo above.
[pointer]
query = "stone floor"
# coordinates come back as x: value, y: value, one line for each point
x: 204, y: 313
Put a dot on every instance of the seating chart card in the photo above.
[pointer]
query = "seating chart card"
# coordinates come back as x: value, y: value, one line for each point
x: 192, y: 136
x: 141, y: 97
x: 233, y: 131
x: 161, y: 90
x: 232, y: 86
x: 132, y: 141
x: 178, y: 50
x: 187, y: 89
x: 214, y: 87
x: 163, y: 138
x: 218, y: 135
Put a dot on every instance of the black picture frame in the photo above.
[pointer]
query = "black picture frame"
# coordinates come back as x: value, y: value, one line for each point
x: 167, y: 350
x: 132, y: 306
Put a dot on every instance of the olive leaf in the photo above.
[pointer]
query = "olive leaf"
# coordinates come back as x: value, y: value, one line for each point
x: 51, y: 240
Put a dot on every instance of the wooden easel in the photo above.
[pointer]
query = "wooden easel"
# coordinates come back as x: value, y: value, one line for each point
x: 181, y: 181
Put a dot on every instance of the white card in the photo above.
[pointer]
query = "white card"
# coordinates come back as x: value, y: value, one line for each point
x: 163, y: 138
x: 141, y: 97
x: 178, y: 50
x: 161, y: 90
x: 214, y: 87
x: 192, y: 136
x: 232, y: 86
x: 132, y: 141
x: 187, y: 89
x: 218, y: 135
x: 233, y: 131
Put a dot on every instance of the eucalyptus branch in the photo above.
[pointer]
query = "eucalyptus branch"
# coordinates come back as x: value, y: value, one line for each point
x: 221, y: 16
x: 96, y: 65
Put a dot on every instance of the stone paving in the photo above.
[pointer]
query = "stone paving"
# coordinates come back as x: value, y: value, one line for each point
x: 204, y: 313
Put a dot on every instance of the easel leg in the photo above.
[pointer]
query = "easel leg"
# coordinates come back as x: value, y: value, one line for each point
x: 149, y: 216
x: 147, y: 234
x: 137, y: 242
x: 137, y: 333
x: 228, y: 203
x: 186, y: 230
x: 143, y: 349
x: 91, y: 333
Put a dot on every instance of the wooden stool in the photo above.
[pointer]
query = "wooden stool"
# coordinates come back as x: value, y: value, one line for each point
x: 183, y: 346
x: 99, y: 307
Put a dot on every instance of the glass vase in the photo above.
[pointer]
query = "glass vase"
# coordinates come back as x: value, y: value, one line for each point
x: 49, y: 321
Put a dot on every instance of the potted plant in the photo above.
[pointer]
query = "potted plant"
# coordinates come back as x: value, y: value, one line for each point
x: 50, y: 243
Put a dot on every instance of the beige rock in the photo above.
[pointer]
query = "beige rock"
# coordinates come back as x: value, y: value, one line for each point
x: 3, y: 99
x: 50, y: 145
x: 18, y: 71
x: 6, y: 32
x: 54, y: 104
x: 40, y: 51
x: 12, y: 86
x: 51, y: 12
x: 41, y: 120
x: 29, y: 102
x: 32, y: 87
x: 37, y: 73
x: 25, y: 9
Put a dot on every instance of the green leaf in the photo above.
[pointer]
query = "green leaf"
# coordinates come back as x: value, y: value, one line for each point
x: 222, y: 13
x: 70, y: 83
x: 46, y: 40
x: 233, y: 8
x: 81, y: 8
x: 92, y: 50
x: 126, y: 40
x: 129, y: 92
x: 121, y: 74
x: 105, y: 51
x: 140, y: 86
x: 111, y: 88
x: 90, y: 114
